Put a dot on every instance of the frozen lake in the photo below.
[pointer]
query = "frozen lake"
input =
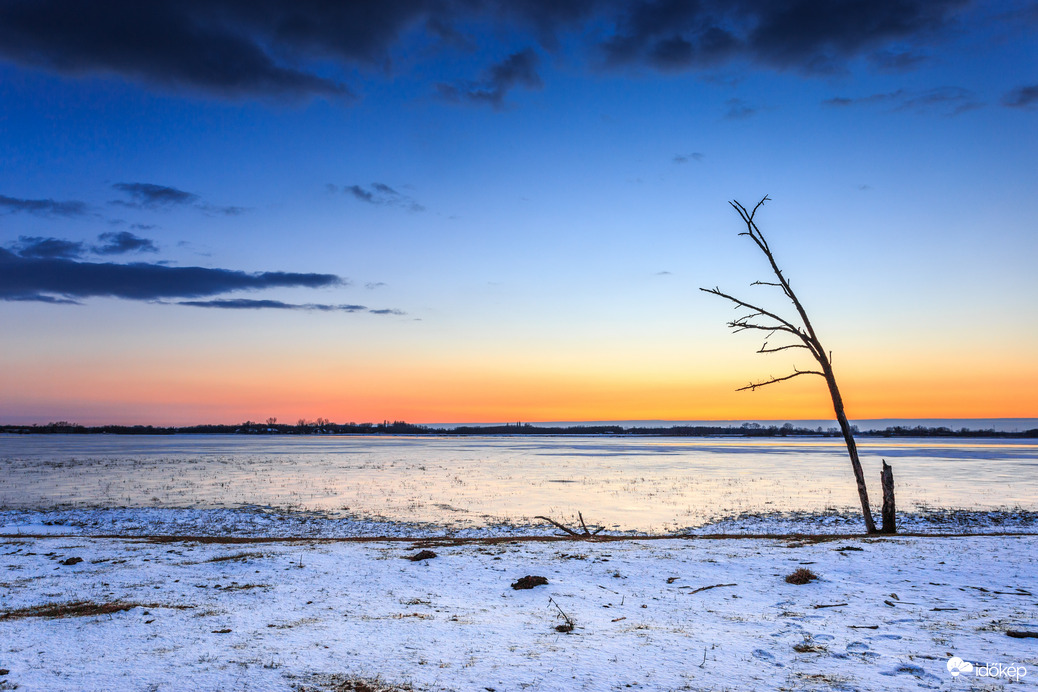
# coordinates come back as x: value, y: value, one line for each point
x: 625, y: 483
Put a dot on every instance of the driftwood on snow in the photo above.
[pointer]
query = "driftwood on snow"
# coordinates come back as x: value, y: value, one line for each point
x: 586, y: 533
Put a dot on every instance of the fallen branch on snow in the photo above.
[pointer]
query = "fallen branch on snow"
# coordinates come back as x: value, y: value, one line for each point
x: 571, y: 532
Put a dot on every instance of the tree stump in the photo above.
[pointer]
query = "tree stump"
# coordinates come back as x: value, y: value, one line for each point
x: 886, y: 477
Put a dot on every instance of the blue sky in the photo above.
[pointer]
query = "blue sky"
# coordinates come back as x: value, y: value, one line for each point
x: 496, y: 211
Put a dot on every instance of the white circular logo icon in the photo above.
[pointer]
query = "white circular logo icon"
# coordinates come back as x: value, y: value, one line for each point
x: 956, y: 665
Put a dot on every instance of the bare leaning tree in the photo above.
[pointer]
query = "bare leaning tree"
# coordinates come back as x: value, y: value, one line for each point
x: 800, y: 334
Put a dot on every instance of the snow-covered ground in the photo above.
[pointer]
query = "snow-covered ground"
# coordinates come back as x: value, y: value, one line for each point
x: 884, y: 614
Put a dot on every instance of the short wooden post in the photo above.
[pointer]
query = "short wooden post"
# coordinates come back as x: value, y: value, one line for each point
x: 887, y: 479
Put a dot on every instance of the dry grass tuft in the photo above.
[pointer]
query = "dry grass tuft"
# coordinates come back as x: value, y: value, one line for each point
x: 67, y: 610
x: 81, y: 609
x: 240, y: 557
x: 801, y: 576
x: 350, y: 683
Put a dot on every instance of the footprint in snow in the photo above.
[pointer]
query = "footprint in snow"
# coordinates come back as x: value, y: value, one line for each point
x: 762, y: 655
x: 916, y: 672
x: 857, y: 646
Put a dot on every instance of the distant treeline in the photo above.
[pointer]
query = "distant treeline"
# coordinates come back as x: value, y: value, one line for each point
x: 325, y: 427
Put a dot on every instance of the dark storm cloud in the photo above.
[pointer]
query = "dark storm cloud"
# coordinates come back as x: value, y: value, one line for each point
x: 42, y: 207
x: 33, y: 247
x: 26, y: 278
x: 1021, y: 97
x: 818, y: 35
x: 270, y: 48
x: 806, y: 35
x: 121, y: 243
x: 517, y: 69
x: 380, y: 194
x: 948, y: 100
x: 213, y: 46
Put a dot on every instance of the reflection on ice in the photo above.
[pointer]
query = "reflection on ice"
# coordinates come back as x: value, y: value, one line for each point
x: 624, y: 483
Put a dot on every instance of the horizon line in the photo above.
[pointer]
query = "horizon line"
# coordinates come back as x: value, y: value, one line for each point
x: 1005, y: 424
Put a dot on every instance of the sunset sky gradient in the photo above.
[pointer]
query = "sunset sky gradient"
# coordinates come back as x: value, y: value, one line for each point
x: 497, y: 211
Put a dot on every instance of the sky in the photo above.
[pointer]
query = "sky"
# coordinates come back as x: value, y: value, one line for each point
x: 478, y: 211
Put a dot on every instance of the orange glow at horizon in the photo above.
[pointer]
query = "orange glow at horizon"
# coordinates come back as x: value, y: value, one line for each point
x: 484, y: 395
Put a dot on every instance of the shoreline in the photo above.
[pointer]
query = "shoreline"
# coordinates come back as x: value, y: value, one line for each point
x: 270, y: 523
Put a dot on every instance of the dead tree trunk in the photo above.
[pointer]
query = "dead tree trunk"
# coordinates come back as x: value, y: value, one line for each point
x: 886, y: 477
x: 804, y: 337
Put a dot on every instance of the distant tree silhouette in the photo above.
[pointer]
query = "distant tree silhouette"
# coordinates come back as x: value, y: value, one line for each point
x: 803, y: 337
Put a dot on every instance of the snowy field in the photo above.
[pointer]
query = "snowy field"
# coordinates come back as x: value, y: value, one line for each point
x: 79, y: 613
x: 223, y: 563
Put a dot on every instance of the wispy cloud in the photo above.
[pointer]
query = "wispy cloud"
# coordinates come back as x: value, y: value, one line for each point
x: 685, y: 158
x: 123, y: 242
x: 948, y: 100
x: 380, y: 194
x: 518, y: 69
x: 43, y: 207
x: 739, y: 109
x: 152, y: 196
x: 248, y: 304
x: 1022, y: 97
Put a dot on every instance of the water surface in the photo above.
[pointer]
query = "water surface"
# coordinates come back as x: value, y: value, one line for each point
x: 629, y: 482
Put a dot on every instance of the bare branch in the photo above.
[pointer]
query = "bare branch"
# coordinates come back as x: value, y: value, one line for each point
x: 755, y: 385
x: 742, y: 326
x: 750, y: 306
x: 559, y: 526
x: 764, y: 199
x: 765, y: 349
x: 571, y: 532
